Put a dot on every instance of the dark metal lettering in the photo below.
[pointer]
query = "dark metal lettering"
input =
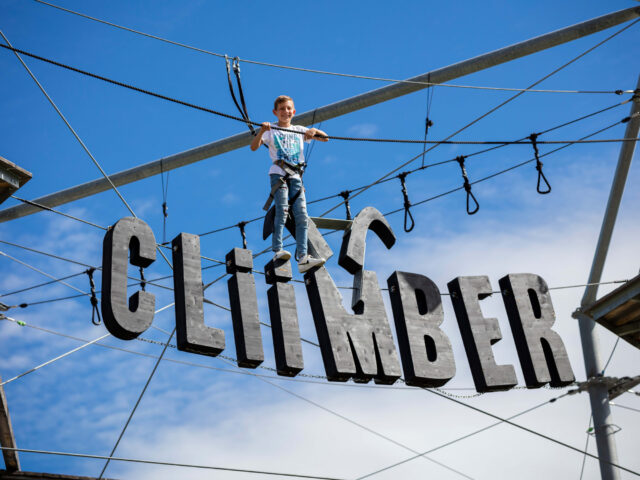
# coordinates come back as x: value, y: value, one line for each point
x: 192, y: 334
x: 541, y: 351
x: 244, y: 308
x: 354, y: 240
x: 425, y: 350
x: 479, y: 333
x: 284, y: 318
x: 126, y: 320
x: 358, y: 345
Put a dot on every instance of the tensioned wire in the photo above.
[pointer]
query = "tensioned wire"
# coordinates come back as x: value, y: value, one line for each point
x: 446, y: 141
x: 497, y: 107
x: 170, y: 464
x: 365, y: 386
x: 376, y: 183
x: 501, y: 420
x: 323, y: 72
x: 76, y: 136
x: 167, y: 344
x: 445, y: 193
x: 300, y: 378
x: 71, y: 129
x: 498, y: 144
x: 424, y: 167
x: 440, y: 394
x: 152, y: 281
x: 132, y: 213
x: 440, y: 142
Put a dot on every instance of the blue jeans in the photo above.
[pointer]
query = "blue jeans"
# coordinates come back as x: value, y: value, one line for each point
x: 299, y: 210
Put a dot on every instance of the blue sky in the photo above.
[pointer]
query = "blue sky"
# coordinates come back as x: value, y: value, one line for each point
x: 204, y: 416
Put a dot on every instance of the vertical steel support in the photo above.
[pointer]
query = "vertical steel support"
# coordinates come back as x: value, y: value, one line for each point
x: 598, y: 394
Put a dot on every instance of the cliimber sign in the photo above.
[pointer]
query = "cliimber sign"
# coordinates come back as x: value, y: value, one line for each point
x: 356, y: 345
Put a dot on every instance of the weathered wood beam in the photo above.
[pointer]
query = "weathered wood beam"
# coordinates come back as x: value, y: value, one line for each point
x: 11, y: 461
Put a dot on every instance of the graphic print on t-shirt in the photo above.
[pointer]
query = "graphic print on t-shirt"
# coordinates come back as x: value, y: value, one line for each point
x: 287, y: 147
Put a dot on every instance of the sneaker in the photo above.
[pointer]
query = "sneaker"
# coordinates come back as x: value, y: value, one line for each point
x: 307, y: 262
x: 281, y: 255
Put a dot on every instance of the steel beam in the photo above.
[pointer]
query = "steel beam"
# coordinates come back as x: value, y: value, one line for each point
x: 333, y: 110
x: 598, y: 394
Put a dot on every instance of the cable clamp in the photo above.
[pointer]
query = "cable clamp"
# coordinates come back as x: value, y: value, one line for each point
x: 95, y: 311
x: 345, y: 196
x: 241, y: 226
x: 534, y: 139
x: 407, y: 203
x: 467, y: 186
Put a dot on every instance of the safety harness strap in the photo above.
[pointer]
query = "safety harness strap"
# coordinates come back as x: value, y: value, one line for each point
x: 289, y: 171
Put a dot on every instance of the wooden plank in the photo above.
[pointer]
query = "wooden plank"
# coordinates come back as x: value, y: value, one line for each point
x: 6, y: 435
x: 619, y: 311
x: 12, y: 177
x: 331, y: 223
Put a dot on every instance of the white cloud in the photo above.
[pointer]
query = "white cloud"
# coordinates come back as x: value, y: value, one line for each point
x: 363, y: 129
x: 199, y: 416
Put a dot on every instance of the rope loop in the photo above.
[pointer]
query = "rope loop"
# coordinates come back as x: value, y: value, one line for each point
x: 407, y: 203
x: 534, y: 138
x: 467, y: 186
x: 235, y: 65
x: 241, y: 226
x: 143, y: 281
x: 95, y: 311
x: 345, y: 195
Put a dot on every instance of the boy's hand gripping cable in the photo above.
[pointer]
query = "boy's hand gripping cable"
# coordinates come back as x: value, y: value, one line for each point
x: 407, y: 204
x: 534, y: 137
x: 467, y: 186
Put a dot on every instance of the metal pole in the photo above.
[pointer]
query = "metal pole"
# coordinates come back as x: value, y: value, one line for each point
x: 333, y: 110
x: 598, y: 394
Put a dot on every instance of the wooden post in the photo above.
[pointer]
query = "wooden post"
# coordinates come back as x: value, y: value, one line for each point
x: 11, y: 461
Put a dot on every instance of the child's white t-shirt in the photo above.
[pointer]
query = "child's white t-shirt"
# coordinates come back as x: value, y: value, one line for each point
x: 286, y: 146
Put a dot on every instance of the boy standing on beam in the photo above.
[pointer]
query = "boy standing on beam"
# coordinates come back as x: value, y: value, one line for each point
x: 286, y: 152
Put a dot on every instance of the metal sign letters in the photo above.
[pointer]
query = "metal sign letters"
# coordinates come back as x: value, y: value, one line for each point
x: 355, y: 345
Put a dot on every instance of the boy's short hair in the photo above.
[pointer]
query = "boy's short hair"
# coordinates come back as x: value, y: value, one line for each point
x: 281, y: 99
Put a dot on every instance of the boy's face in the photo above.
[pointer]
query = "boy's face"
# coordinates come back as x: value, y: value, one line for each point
x: 285, y: 112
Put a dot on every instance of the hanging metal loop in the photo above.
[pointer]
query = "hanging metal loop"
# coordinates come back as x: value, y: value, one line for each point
x: 407, y: 204
x: 345, y: 195
x: 95, y: 311
x: 467, y: 186
x: 534, y: 138
x: 241, y: 226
